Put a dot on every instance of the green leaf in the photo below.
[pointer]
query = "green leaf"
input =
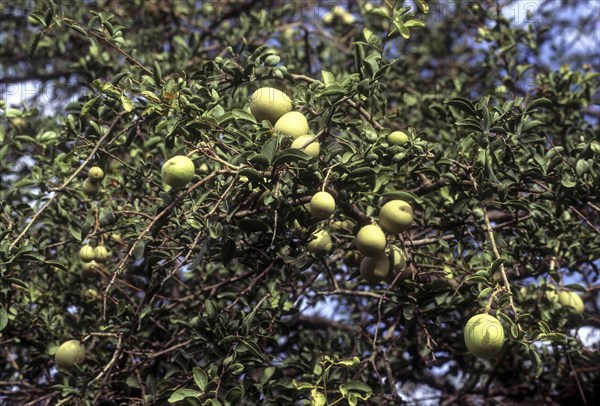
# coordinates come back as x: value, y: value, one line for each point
x: 290, y: 155
x: 127, y: 104
x: 181, y: 394
x: 423, y: 6
x: 3, y: 318
x: 200, y: 378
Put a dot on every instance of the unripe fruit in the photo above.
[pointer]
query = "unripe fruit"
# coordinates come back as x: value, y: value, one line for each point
x: 395, y: 216
x: 484, y: 335
x: 270, y: 104
x: 101, y: 254
x: 370, y: 241
x: 69, y: 353
x: 89, y: 269
x: 292, y: 124
x: 90, y: 188
x: 551, y: 295
x: 398, y: 265
x: 313, y: 149
x: 95, y: 174
x: 375, y: 269
x: 90, y: 295
x: 178, y: 171
x: 320, y: 243
x: 397, y: 138
x: 322, y: 205
x: 571, y: 300
x: 86, y: 253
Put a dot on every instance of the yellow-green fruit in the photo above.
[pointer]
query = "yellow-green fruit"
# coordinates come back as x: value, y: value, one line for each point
x: 571, y: 300
x: 375, y: 269
x: 90, y: 269
x: 370, y: 241
x: 313, y: 149
x: 484, y: 335
x: 270, y: 104
x: 87, y: 253
x: 178, y: 171
x: 101, y: 254
x: 292, y: 124
x: 397, y: 138
x: 395, y: 216
x: 398, y: 265
x: 322, y: 205
x: 551, y: 295
x: 69, y: 353
x: 90, y: 188
x: 95, y: 174
x: 342, y: 225
x: 90, y: 295
x: 320, y: 242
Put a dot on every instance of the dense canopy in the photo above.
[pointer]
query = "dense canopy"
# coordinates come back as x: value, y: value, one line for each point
x: 226, y: 287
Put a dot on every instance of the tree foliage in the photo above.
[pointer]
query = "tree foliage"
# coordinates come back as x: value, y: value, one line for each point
x: 210, y: 295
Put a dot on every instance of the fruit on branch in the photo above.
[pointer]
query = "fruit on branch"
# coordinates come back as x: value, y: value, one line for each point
x: 398, y: 265
x: 90, y: 295
x: 69, y: 353
x: 89, y: 269
x: 313, y: 148
x: 397, y: 138
x: 572, y: 300
x: 90, y: 188
x: 320, y: 243
x: 484, y: 335
x: 375, y: 269
x: 292, y: 124
x: 322, y: 205
x: 178, y: 171
x: 370, y: 240
x: 101, y: 254
x: 395, y: 216
x: 270, y: 104
x: 86, y: 253
x: 95, y: 174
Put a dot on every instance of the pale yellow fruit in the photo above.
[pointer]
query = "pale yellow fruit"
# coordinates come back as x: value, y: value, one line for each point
x: 398, y: 265
x: 90, y: 188
x: 292, y: 124
x: 320, y: 242
x: 342, y: 225
x: 551, y: 295
x: 370, y: 240
x: 90, y: 269
x: 86, y: 253
x: 322, y: 205
x: 270, y: 104
x: 484, y: 335
x: 397, y: 138
x: 178, y: 171
x: 375, y: 269
x: 101, y: 254
x: 90, y: 295
x: 395, y: 216
x: 572, y: 300
x: 95, y: 174
x: 313, y: 149
x: 70, y: 353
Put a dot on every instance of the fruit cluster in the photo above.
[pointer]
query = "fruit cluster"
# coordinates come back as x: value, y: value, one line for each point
x: 91, y: 185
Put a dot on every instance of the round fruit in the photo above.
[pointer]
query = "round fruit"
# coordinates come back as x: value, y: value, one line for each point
x: 551, y: 295
x: 320, y: 242
x: 395, y: 216
x: 571, y: 300
x: 87, y: 253
x: 484, y: 335
x: 313, y: 149
x: 90, y: 295
x: 89, y: 269
x: 90, y: 188
x: 95, y: 174
x: 398, y: 265
x: 69, y: 353
x: 292, y: 124
x: 397, y: 138
x: 370, y: 241
x: 270, y: 104
x: 101, y: 254
x: 322, y: 205
x: 178, y: 171
x: 375, y: 269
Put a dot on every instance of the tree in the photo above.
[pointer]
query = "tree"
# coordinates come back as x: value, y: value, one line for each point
x: 209, y: 294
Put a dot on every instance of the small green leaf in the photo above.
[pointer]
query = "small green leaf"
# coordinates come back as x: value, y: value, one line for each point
x: 181, y: 394
x: 200, y: 378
